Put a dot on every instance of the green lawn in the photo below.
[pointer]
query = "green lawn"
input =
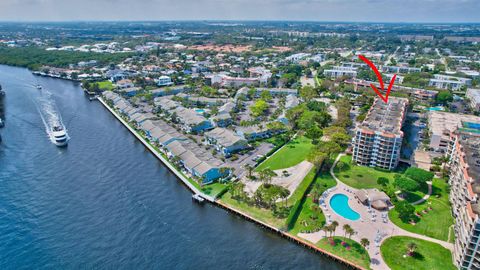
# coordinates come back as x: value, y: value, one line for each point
x: 427, y: 255
x: 289, y: 155
x: 357, y: 254
x: 414, y: 196
x: 214, y: 189
x: 437, y: 221
x: 360, y: 176
x: 262, y: 214
x: 105, y: 85
x: 311, y: 217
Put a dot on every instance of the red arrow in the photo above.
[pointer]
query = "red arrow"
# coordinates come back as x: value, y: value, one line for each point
x: 380, y: 79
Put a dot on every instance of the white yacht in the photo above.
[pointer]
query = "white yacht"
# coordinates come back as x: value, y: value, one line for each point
x: 59, y: 136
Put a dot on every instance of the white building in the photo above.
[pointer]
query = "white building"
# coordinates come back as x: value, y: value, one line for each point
x: 474, y: 96
x: 297, y: 57
x: 449, y: 82
x: 337, y: 72
x: 164, y: 81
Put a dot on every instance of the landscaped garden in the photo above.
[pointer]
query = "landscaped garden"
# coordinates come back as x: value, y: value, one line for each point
x: 310, y: 217
x: 402, y: 252
x: 434, y: 215
x: 346, y: 248
x: 262, y: 214
x: 431, y: 218
x: 289, y: 155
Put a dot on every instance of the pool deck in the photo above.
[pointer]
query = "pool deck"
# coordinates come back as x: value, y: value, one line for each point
x: 365, y: 227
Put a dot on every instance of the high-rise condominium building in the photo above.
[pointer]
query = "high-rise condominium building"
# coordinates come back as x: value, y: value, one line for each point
x: 378, y: 140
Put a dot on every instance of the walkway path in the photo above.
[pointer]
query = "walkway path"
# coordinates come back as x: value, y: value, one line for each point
x: 373, y: 224
x: 426, y: 195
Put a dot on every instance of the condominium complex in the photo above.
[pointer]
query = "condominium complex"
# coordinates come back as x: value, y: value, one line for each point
x: 442, y: 124
x: 449, y: 82
x: 400, y: 69
x: 337, y: 72
x: 378, y: 139
x: 464, y: 195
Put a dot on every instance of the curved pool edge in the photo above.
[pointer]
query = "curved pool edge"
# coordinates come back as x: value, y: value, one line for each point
x: 342, y: 208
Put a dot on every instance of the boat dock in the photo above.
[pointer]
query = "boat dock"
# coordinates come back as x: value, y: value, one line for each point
x: 198, y: 198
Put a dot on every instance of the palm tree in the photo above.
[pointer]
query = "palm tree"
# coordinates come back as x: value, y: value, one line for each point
x: 364, y: 242
x: 411, y: 248
x: 249, y: 169
x: 334, y: 226
x: 266, y: 175
x: 325, y: 229
x: 331, y: 230
x: 350, y: 232
x: 224, y: 171
x: 284, y: 193
x: 346, y: 228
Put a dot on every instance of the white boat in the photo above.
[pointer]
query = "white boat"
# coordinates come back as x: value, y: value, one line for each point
x: 39, y: 86
x: 59, y: 136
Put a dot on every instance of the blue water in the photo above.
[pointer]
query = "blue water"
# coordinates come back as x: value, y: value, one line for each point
x: 200, y: 111
x: 438, y: 108
x: 339, y: 204
x: 104, y: 202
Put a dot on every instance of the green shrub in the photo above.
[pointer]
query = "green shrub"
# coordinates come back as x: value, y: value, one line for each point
x: 419, y: 175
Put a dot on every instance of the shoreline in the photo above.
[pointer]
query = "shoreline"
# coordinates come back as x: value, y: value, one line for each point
x: 222, y: 205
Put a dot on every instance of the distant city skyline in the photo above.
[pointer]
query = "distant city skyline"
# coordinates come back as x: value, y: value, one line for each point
x: 294, y: 10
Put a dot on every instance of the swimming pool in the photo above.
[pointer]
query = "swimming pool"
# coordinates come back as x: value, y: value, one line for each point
x: 438, y: 108
x: 339, y: 204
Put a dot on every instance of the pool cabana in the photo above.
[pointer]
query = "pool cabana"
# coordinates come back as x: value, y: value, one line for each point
x: 374, y: 197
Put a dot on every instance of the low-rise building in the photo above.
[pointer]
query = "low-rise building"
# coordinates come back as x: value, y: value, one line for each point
x: 449, y: 82
x: 400, y: 69
x: 168, y: 91
x: 191, y: 121
x: 252, y: 133
x: 473, y: 96
x: 423, y: 95
x: 337, y: 72
x: 164, y: 81
x: 125, y: 83
x: 225, y: 141
x: 130, y: 91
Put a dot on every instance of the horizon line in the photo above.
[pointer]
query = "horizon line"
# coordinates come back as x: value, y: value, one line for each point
x: 237, y: 20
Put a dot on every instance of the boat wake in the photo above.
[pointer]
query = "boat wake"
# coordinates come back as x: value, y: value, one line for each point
x: 51, y: 118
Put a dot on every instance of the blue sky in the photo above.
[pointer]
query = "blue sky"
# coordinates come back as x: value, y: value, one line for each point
x: 316, y: 10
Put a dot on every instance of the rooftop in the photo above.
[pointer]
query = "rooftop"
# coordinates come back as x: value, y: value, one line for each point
x: 386, y: 117
x: 443, y: 122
